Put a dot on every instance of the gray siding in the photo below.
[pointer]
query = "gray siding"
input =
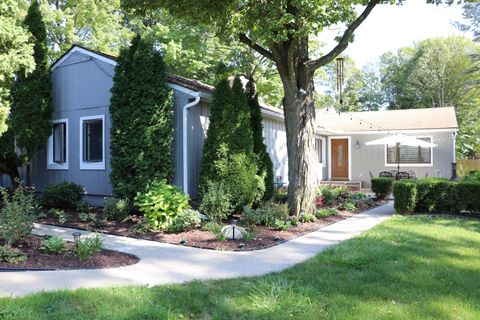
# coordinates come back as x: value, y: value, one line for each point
x: 276, y: 141
x: 273, y: 132
x: 80, y: 87
x: 371, y: 159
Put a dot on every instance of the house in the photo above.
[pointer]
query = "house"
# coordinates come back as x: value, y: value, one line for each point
x: 348, y: 158
x: 78, y: 149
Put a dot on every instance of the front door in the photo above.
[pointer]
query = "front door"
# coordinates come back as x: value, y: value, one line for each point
x: 339, y: 159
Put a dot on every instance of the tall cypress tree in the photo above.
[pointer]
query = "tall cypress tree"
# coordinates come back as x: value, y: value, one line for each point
x: 265, y: 165
x: 216, y: 135
x: 228, y: 157
x: 141, y: 110
x: 31, y: 110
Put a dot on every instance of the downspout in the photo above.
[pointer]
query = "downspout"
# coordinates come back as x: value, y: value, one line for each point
x: 196, y: 95
x: 454, y: 163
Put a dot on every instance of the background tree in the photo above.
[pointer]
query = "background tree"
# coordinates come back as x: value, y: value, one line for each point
x: 471, y: 14
x: 228, y: 158
x: 16, y: 53
x: 436, y: 73
x: 284, y: 40
x: 99, y: 25
x: 141, y: 111
x: 265, y: 165
x: 361, y: 91
x: 30, y: 116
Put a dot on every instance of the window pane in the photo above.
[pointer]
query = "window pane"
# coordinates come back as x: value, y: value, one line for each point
x: 93, y: 141
x: 409, y: 154
x: 59, y: 143
x: 318, y: 150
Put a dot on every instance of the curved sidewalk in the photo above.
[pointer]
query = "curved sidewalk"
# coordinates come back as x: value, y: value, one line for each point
x: 162, y: 263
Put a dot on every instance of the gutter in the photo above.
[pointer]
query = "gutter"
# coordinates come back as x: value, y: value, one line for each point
x: 185, y: 108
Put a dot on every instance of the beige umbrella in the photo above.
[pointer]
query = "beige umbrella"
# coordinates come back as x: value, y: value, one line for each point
x: 398, y: 140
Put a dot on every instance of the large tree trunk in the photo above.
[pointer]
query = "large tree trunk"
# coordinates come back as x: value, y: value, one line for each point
x: 299, y: 112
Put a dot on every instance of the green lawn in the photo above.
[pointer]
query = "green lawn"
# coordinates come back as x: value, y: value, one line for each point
x: 406, y: 268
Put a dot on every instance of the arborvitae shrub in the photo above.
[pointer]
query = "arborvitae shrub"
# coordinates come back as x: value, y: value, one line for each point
x: 228, y: 156
x: 265, y: 165
x: 141, y: 111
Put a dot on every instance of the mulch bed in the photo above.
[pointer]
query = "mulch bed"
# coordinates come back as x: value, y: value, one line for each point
x: 39, y: 259
x: 265, y: 236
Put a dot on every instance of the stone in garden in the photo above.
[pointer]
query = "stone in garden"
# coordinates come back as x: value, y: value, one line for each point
x: 230, y: 231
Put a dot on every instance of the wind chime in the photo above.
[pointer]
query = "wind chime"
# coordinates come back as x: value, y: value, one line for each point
x: 340, y: 79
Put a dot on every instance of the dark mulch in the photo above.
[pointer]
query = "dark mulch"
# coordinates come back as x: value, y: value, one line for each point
x: 265, y: 236
x: 38, y: 259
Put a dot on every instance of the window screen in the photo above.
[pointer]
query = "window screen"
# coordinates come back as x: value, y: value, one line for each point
x: 93, y: 140
x: 318, y: 150
x: 410, y: 154
x: 59, y: 142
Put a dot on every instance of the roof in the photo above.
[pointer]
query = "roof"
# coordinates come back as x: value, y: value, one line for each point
x: 191, y: 84
x: 391, y: 120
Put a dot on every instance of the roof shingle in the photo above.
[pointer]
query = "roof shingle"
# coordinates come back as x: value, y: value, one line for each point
x: 406, y: 119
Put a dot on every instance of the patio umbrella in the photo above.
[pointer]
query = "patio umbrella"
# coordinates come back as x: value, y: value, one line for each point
x: 398, y: 140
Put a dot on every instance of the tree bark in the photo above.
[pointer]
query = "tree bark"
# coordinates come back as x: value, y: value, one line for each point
x: 296, y: 72
x: 299, y: 110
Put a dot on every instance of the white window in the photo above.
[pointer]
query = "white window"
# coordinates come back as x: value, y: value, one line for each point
x: 409, y: 155
x: 57, y: 149
x: 92, y: 143
x: 319, y: 150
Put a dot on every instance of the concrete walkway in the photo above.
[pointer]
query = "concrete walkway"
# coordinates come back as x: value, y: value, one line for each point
x: 162, y: 263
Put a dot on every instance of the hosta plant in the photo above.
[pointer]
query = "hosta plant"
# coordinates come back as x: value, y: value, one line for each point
x: 161, y: 204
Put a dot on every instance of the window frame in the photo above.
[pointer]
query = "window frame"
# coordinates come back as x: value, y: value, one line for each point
x: 51, y: 164
x: 86, y: 165
x: 430, y: 164
x: 322, y: 151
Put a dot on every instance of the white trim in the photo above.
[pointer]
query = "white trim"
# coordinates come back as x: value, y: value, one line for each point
x: 412, y: 164
x: 94, y: 165
x: 349, y: 138
x: 323, y: 163
x: 180, y: 88
x: 454, y: 134
x: 386, y: 131
x: 83, y: 51
x: 51, y: 165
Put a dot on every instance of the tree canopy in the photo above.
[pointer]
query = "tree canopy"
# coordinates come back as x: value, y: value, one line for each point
x: 437, y: 72
x: 16, y: 52
x: 30, y: 117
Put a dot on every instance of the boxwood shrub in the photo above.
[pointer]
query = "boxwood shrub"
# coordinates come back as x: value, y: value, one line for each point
x: 436, y: 195
x: 405, y: 194
x: 63, y: 195
x: 467, y: 196
x: 382, y: 187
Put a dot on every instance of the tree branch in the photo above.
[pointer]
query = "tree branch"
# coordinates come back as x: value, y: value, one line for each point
x: 343, y: 43
x: 255, y: 46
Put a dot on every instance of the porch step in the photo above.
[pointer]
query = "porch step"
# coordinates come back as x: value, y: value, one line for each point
x: 351, y: 185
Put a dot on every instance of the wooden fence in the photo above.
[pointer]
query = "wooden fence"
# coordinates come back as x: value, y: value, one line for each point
x: 465, y: 166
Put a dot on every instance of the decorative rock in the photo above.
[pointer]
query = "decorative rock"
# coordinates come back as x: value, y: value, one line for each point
x: 233, y: 232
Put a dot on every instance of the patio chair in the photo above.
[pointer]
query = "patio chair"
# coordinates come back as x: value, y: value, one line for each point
x: 385, y: 174
x: 402, y: 175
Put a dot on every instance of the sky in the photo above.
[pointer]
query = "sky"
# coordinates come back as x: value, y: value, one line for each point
x: 391, y: 27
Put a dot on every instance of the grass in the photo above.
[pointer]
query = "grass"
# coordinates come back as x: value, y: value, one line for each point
x: 416, y: 267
